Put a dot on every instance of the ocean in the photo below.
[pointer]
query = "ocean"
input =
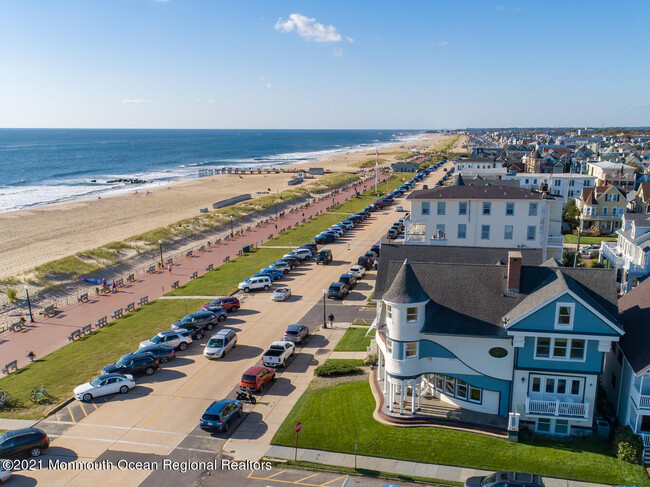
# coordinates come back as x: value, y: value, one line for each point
x: 44, y: 166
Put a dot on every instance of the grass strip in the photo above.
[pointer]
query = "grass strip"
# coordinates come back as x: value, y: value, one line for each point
x: 584, y: 240
x: 355, y: 340
x: 336, y: 417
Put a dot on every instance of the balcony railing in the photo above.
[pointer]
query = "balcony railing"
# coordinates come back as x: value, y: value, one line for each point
x: 557, y: 408
x: 611, y: 253
x: 646, y: 440
x: 644, y: 402
x: 641, y: 400
x: 555, y: 241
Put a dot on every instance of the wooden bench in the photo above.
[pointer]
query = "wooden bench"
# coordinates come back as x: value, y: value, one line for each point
x: 118, y: 313
x: 130, y: 307
x: 194, y: 275
x: 16, y: 326
x: 10, y: 367
x: 143, y: 300
x: 131, y: 278
x: 226, y: 258
x: 103, y: 321
x: 217, y: 241
x: 119, y: 282
x: 210, y: 267
x: 202, y: 248
x: 189, y: 253
x: 49, y: 311
x: 87, y: 329
x: 82, y: 298
x: 74, y: 335
x: 227, y: 237
x: 239, y: 252
x: 175, y: 285
x: 270, y: 237
x: 151, y: 269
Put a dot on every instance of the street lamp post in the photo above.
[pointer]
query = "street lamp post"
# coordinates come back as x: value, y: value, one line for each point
x: 29, y: 306
x: 324, y: 309
x: 231, y: 232
x: 162, y: 262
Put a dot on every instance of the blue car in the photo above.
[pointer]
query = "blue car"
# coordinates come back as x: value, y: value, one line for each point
x: 220, y: 415
x: 273, y: 274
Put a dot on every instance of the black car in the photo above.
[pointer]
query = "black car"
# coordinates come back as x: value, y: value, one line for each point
x: 24, y: 441
x: 338, y: 290
x: 375, y: 248
x: 365, y: 262
x: 506, y: 479
x: 324, y: 239
x: 161, y: 352
x: 202, y: 318
x: 324, y: 257
x: 371, y: 254
x: 292, y: 261
x: 311, y: 246
x: 132, y: 363
x: 197, y: 331
x: 348, y: 279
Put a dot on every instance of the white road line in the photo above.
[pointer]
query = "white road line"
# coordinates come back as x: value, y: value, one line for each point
x: 106, y: 440
x: 118, y: 428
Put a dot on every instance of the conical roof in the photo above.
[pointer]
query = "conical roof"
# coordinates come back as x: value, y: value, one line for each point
x: 458, y: 180
x: 405, y: 288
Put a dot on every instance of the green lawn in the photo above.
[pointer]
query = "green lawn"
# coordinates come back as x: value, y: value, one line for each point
x: 572, y: 239
x: 355, y: 340
x: 336, y: 417
x: 66, y: 368
x: 224, y: 279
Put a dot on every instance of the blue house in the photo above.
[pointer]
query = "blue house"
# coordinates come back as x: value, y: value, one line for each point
x: 493, y: 336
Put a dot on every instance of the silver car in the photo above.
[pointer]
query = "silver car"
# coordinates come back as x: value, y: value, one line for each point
x: 281, y: 294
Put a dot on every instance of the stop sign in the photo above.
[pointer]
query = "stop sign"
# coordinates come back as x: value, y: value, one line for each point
x: 298, y: 427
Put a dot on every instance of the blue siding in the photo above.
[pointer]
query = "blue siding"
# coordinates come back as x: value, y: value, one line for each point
x: 584, y: 321
x: 398, y: 350
x: 484, y: 382
x: 433, y: 349
x: 592, y: 364
x: 627, y: 380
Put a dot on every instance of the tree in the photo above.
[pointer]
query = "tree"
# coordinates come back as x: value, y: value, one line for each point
x: 570, y: 214
x: 568, y: 257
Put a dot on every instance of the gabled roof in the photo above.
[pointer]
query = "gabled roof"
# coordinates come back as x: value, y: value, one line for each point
x: 406, y: 288
x: 634, y: 308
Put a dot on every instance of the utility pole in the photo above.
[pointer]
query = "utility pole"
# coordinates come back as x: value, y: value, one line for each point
x: 376, y: 167
x: 575, y: 257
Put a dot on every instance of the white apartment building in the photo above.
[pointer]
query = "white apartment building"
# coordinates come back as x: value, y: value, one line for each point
x: 486, y: 216
x: 630, y: 254
x: 620, y: 175
x: 566, y: 185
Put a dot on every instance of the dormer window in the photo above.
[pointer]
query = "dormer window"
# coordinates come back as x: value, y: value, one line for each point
x: 564, y: 316
x: 411, y: 314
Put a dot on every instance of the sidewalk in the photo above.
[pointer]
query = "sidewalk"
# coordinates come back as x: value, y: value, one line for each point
x: 400, y: 467
x: 49, y: 334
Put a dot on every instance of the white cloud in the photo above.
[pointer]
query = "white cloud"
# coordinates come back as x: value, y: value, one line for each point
x: 137, y: 101
x: 269, y: 85
x: 349, y: 39
x: 309, y: 29
x: 338, y: 52
x: 440, y: 44
x: 212, y: 101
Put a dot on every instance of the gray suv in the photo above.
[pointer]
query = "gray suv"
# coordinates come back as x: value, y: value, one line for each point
x: 173, y: 338
x: 296, y: 333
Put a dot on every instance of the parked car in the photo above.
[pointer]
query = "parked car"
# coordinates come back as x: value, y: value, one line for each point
x: 197, y: 332
x: 365, y: 262
x: 338, y: 290
x: 256, y: 379
x: 296, y: 333
x: 278, y: 353
x: 104, y: 385
x: 291, y: 260
x: 399, y: 208
x: 371, y: 254
x: 324, y: 239
x: 337, y: 231
x: 281, y: 294
x: 161, y: 352
x: 24, y: 441
x: 5, y: 471
x: 349, y: 279
x: 311, y: 246
x: 220, y: 415
x: 280, y: 266
x: 254, y: 283
x: 273, y: 274
x: 302, y: 254
x: 357, y: 271
x: 133, y: 364
x: 204, y: 318
x: 220, y: 343
x: 173, y: 338
x: 505, y: 479
x: 229, y: 303
x: 324, y: 257
x: 347, y: 224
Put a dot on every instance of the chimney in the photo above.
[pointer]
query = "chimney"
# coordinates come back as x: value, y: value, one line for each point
x: 514, y: 271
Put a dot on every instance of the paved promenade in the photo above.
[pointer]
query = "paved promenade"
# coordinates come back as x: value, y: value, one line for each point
x: 49, y: 334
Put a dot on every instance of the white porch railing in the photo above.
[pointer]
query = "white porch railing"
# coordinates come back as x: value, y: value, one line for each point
x: 557, y: 408
x: 646, y: 440
x: 644, y: 402
x: 611, y: 252
x: 555, y: 241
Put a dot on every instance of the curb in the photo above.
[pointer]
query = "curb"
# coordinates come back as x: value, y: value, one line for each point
x: 56, y: 409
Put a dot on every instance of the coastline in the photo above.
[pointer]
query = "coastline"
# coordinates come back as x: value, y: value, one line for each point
x: 37, y: 235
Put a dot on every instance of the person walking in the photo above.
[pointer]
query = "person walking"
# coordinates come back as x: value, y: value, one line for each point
x: 114, y: 287
x: 169, y: 268
x: 376, y: 263
x: 331, y: 320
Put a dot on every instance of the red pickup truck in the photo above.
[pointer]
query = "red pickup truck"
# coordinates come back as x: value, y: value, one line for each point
x: 256, y: 379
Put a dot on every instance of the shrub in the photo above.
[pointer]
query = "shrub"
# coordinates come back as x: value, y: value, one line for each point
x: 335, y: 367
x: 12, y: 294
x: 629, y: 446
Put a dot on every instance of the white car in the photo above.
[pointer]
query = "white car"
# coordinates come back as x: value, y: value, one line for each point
x: 357, y: 271
x: 254, y: 283
x: 399, y: 208
x: 336, y: 230
x: 281, y: 294
x: 5, y: 470
x: 347, y: 224
x: 302, y: 254
x: 172, y: 338
x: 103, y: 386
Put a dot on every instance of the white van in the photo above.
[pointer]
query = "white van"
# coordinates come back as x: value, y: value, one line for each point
x: 220, y: 343
x: 263, y: 282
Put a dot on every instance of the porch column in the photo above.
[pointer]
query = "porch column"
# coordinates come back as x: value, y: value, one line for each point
x: 401, y: 397
x: 413, y: 394
x: 379, y: 363
x: 419, y: 396
x: 390, y: 395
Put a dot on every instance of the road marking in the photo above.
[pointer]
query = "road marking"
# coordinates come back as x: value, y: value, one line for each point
x: 71, y: 415
x: 56, y: 415
x: 301, y: 480
x: 276, y: 473
x: 334, y: 480
x: 196, y: 449
x: 83, y: 410
x: 183, y: 391
x: 293, y: 482
x: 92, y: 425
x: 156, y: 414
x: 106, y: 440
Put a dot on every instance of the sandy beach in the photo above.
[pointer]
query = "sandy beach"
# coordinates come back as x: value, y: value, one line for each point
x: 35, y: 236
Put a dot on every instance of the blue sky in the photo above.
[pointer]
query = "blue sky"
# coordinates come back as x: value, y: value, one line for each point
x: 323, y: 64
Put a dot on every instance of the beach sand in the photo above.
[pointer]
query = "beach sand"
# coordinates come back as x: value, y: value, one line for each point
x: 35, y: 236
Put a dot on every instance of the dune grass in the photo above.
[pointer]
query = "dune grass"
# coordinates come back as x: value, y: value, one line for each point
x: 66, y: 368
x: 336, y: 417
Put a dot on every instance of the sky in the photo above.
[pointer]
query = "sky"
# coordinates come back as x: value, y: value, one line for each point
x: 335, y: 64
